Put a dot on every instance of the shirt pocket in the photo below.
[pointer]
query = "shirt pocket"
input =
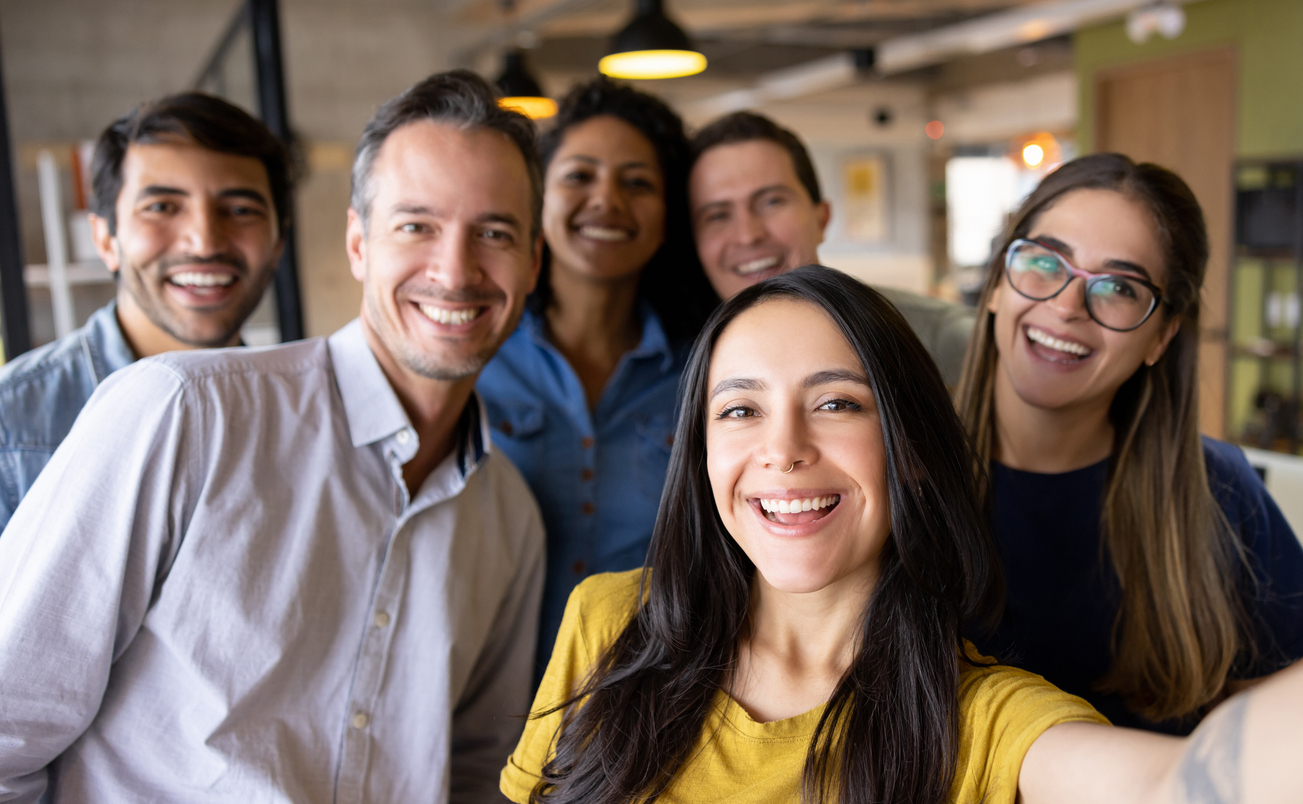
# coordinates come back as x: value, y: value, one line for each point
x: 517, y: 427
x: 654, y: 444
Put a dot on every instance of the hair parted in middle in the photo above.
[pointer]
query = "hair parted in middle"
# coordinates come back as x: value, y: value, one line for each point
x: 457, y: 98
x: 673, y: 281
x: 1181, y: 626
x: 631, y: 727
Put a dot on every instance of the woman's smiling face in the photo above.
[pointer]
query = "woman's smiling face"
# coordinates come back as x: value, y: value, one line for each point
x: 1053, y: 355
x: 786, y: 390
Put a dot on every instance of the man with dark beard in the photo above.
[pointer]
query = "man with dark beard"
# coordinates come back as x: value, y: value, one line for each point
x: 190, y: 203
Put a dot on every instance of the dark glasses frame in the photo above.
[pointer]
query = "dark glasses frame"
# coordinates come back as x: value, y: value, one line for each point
x: 1090, y: 279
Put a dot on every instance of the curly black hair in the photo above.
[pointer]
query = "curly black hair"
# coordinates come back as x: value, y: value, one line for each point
x: 673, y: 281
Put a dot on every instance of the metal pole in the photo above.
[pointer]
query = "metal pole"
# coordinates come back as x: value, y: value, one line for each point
x: 264, y: 18
x: 13, y: 291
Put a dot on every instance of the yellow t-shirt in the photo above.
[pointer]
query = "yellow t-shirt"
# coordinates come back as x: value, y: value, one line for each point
x: 1001, y: 713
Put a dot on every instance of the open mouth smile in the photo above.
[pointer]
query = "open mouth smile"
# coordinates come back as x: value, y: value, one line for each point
x: 605, y: 234
x: 797, y: 511
x: 1057, y: 350
x: 450, y: 317
x: 756, y: 266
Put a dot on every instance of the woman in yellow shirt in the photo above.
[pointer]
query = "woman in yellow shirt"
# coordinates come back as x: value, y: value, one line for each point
x: 796, y: 634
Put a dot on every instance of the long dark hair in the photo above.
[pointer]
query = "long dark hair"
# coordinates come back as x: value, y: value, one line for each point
x: 889, y: 734
x: 1181, y: 624
x: 673, y: 281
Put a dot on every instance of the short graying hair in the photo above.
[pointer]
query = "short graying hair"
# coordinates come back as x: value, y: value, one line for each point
x: 459, y: 98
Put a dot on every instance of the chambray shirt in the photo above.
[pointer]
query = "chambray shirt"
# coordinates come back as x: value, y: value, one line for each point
x: 220, y: 590
x: 41, y: 393
x: 597, y: 474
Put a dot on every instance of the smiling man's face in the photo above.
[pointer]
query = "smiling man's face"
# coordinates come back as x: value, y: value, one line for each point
x: 446, y: 258
x: 751, y: 216
x: 196, y: 244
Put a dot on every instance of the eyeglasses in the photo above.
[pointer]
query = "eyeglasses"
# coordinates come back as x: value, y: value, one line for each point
x: 1120, y: 302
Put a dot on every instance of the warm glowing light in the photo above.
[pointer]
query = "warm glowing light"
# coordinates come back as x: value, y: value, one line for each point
x: 1033, y: 155
x: 1041, y: 151
x: 935, y: 129
x: 642, y: 64
x: 533, y: 108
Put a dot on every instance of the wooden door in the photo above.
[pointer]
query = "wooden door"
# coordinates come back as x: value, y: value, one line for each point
x: 1180, y: 112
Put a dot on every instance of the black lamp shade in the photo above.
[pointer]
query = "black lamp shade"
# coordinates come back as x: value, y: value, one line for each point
x: 650, y: 29
x: 515, y: 81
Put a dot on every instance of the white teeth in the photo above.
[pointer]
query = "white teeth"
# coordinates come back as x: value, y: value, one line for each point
x: 201, y: 280
x: 443, y: 315
x: 756, y: 265
x: 604, y: 233
x: 797, y: 506
x: 1045, y: 339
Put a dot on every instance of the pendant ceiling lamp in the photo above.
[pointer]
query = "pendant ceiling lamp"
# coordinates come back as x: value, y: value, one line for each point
x: 520, y: 92
x: 651, y: 46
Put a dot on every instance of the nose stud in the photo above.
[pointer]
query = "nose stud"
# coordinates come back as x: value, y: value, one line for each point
x: 789, y: 469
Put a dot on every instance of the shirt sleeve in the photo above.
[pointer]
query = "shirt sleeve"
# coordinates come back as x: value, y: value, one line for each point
x: 79, y: 563
x: 487, y: 721
x: 596, y: 612
x: 1002, y: 712
x: 1273, y: 588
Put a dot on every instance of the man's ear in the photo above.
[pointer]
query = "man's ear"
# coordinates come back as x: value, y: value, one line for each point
x: 823, y: 214
x: 1160, y: 346
x: 355, y: 245
x: 105, y: 243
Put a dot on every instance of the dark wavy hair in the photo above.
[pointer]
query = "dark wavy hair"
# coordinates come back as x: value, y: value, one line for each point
x: 889, y: 734
x: 673, y: 281
x: 207, y: 121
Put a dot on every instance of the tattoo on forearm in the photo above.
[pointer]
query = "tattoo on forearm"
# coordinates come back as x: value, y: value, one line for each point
x: 1210, y: 770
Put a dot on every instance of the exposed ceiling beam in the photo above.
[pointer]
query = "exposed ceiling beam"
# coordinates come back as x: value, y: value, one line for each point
x: 1021, y: 25
x: 711, y: 20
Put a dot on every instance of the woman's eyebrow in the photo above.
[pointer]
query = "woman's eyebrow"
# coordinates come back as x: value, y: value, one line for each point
x: 834, y: 375
x: 736, y: 384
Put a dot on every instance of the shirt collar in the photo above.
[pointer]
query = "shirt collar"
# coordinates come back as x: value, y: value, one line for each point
x: 654, y: 342
x: 375, y: 414
x: 109, y: 349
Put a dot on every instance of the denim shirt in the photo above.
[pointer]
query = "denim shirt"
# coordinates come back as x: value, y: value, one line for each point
x: 41, y: 393
x: 597, y: 474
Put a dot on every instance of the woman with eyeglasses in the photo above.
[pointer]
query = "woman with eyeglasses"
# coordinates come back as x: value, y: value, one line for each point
x: 1147, y: 569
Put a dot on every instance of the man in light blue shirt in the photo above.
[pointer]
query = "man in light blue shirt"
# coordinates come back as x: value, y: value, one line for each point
x: 298, y: 574
x: 191, y: 200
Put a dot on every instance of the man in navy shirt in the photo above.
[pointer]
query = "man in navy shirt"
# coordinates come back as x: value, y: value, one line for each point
x: 190, y: 206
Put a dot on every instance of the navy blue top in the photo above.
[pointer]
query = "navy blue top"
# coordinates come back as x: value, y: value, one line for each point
x: 597, y: 474
x: 1062, y: 595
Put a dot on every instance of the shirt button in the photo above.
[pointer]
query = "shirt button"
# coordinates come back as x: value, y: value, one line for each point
x: 669, y: 440
x: 382, y: 619
x: 404, y: 436
x: 588, y: 508
x: 579, y: 568
x: 360, y: 720
x: 586, y: 474
x: 506, y: 428
x: 587, y: 442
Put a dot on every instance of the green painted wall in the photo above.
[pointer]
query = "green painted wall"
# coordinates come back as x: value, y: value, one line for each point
x: 1268, y: 38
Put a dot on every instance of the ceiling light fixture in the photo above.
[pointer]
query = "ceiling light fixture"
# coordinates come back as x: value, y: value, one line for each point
x: 520, y: 92
x: 651, y: 46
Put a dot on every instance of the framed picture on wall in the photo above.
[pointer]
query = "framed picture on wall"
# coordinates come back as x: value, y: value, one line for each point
x: 864, y: 205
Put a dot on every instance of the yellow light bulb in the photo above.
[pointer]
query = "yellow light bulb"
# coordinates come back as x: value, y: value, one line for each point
x: 1033, y: 155
x: 533, y: 108
x: 644, y: 64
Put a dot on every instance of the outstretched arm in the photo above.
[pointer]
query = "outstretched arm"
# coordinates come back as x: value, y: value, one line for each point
x: 1246, y: 752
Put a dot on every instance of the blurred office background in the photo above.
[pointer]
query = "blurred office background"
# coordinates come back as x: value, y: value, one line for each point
x: 928, y: 121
